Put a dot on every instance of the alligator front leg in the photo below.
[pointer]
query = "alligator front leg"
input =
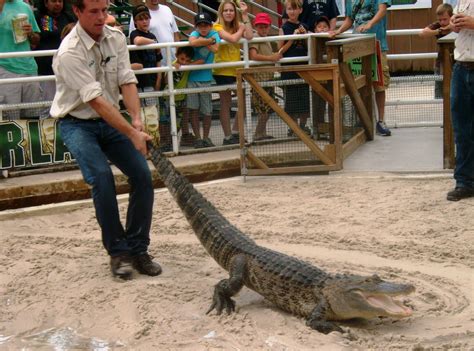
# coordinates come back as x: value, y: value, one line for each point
x: 317, y: 320
x: 226, y: 288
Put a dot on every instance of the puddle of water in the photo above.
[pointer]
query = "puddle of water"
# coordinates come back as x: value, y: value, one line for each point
x: 4, y: 339
x: 60, y: 339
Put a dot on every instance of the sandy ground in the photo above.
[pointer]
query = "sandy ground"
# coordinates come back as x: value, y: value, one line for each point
x: 56, y: 291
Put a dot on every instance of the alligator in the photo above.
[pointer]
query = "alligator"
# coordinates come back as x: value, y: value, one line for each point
x: 291, y: 284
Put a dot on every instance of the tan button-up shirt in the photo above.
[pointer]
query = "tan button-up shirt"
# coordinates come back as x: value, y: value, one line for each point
x: 86, y: 69
x: 464, y: 50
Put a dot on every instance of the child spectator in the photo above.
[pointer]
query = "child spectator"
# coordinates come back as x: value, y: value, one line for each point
x: 262, y: 51
x: 439, y: 29
x: 322, y: 25
x: 184, y: 57
x: 296, y: 96
x: 148, y: 59
x: 205, y: 42
x: 231, y: 30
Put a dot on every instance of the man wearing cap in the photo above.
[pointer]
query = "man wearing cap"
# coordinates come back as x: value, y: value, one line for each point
x: 163, y: 25
x: 205, y: 42
x: 91, y: 67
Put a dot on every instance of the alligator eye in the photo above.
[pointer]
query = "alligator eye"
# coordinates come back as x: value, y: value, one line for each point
x: 376, y: 278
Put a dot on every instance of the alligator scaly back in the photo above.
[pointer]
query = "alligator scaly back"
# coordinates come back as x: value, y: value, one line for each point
x: 293, y: 285
x: 220, y: 238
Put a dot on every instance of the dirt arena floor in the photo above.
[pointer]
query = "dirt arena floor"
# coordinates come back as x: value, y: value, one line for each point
x: 56, y: 291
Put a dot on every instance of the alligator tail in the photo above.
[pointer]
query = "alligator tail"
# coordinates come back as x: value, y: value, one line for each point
x: 221, y: 239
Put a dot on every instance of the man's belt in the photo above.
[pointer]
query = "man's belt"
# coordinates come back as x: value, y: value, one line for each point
x: 466, y: 64
x: 68, y: 116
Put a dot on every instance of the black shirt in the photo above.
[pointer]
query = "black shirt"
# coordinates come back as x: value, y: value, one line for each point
x: 50, y: 38
x: 148, y: 58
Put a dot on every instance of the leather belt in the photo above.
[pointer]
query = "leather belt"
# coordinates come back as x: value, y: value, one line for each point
x: 68, y: 116
x: 466, y: 64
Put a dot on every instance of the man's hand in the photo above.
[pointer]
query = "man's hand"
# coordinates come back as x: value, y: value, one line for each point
x: 139, y: 140
x: 462, y: 21
x: 137, y: 124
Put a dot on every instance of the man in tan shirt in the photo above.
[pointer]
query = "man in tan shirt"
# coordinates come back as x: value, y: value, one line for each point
x: 462, y: 100
x: 91, y: 65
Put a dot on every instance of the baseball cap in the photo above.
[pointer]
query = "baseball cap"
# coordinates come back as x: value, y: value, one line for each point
x: 138, y: 10
x: 262, y: 18
x: 202, y: 18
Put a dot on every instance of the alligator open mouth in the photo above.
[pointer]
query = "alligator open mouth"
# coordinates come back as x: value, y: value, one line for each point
x: 390, y: 305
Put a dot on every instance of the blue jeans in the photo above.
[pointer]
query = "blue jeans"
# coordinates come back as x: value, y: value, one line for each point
x: 93, y: 143
x: 462, y: 112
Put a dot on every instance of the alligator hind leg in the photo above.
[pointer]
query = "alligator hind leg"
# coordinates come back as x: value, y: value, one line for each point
x: 317, y: 320
x: 226, y: 288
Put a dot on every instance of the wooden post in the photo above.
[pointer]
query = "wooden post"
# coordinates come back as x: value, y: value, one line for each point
x: 334, y: 57
x: 367, y: 91
x: 447, y: 47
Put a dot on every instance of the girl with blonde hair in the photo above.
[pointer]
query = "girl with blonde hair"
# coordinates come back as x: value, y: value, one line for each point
x: 233, y: 24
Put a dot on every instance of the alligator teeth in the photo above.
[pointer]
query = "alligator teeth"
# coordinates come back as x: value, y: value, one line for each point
x: 393, y: 307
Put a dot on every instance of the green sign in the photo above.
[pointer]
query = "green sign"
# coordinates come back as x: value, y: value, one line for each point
x: 27, y: 143
x: 356, y: 67
x: 31, y: 143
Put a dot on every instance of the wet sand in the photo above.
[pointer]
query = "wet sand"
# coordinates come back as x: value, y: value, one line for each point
x: 56, y: 287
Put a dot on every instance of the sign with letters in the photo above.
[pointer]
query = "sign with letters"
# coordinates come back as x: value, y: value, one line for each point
x: 377, y: 73
x: 31, y: 143
x: 410, y: 4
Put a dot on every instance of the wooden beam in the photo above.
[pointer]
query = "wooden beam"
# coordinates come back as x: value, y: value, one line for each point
x: 269, y: 69
x: 255, y: 160
x: 351, y: 49
x: 353, y: 143
x: 293, y: 170
x: 360, y: 82
x: 366, y: 92
x: 449, y: 160
x: 288, y: 120
x: 337, y: 119
x: 352, y: 91
x: 317, y: 87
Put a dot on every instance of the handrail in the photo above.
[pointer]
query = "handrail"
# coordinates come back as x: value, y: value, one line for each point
x: 171, y: 92
x: 345, y: 37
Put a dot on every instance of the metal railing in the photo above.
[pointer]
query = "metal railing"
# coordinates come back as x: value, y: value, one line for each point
x: 171, y: 92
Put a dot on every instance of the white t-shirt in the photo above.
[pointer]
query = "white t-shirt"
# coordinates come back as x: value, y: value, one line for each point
x: 163, y: 25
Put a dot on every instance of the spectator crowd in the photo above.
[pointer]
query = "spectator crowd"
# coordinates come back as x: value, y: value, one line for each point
x: 49, y: 21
